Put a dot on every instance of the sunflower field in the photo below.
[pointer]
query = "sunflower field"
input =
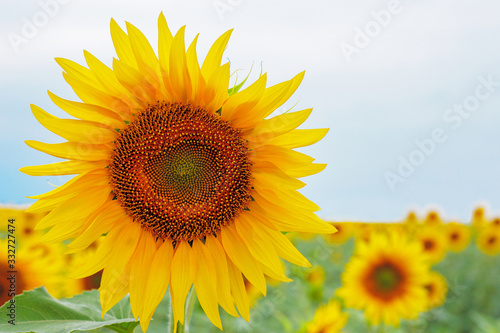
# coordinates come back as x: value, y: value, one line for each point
x: 423, y: 274
x: 184, y: 214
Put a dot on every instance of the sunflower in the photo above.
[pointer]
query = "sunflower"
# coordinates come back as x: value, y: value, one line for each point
x: 488, y: 240
x: 328, y: 319
x: 345, y: 231
x: 479, y: 219
x: 458, y: 236
x: 191, y: 182
x: 433, y: 243
x: 432, y: 219
x: 495, y: 222
x: 437, y: 288
x: 385, y: 278
x: 34, y: 265
x: 23, y: 221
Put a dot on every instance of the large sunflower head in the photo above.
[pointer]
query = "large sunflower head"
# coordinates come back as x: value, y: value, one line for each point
x: 385, y: 278
x: 189, y: 178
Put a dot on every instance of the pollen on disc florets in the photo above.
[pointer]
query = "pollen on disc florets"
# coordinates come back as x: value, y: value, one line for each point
x: 181, y: 172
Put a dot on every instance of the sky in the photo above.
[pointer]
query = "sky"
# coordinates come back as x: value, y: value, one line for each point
x: 409, y: 89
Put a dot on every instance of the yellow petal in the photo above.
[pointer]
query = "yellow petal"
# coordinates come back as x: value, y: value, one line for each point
x: 72, y: 150
x: 267, y: 175
x: 216, y: 89
x: 88, y: 112
x: 164, y: 41
x: 92, y: 95
x: 270, y: 128
x: 283, y: 246
x: 214, y: 57
x: 74, y: 130
x: 122, y: 45
x: 243, y: 101
x: 239, y: 291
x: 223, y: 290
x: 101, y: 257
x: 260, y: 247
x: 73, y: 186
x: 276, y: 95
x: 78, y: 72
x: 64, y: 168
x: 272, y: 98
x: 239, y: 254
x: 181, y: 279
x: 178, y: 73
x: 205, y: 282
x: 197, y: 80
x: 103, y: 223
x: 144, y: 54
x: 115, y: 291
x: 81, y: 205
x: 140, y: 90
x: 157, y: 282
x: 285, y: 220
x: 122, y: 252
x: 298, y: 138
x: 45, y: 205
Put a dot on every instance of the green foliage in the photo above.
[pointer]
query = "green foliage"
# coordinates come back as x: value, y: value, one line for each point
x: 37, y: 311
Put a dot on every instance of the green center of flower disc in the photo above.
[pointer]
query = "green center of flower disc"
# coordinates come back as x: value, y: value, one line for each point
x: 181, y: 172
x: 385, y: 281
x: 386, y: 277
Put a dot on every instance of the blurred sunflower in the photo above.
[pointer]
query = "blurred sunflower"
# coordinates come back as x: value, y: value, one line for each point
x: 385, y: 278
x: 193, y: 183
x: 345, y: 231
x: 479, y: 218
x: 432, y: 219
x: 495, y: 222
x: 411, y: 221
x: 458, y: 236
x: 328, y: 319
x: 488, y: 240
x: 433, y: 243
x: 437, y: 288
x: 25, y: 222
x: 36, y: 265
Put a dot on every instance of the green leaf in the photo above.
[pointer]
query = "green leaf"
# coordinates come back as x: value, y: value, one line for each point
x: 37, y: 311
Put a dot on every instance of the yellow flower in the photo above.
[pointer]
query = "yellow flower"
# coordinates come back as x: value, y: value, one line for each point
x: 479, y: 218
x: 433, y: 243
x: 24, y: 222
x: 432, y: 219
x: 385, y: 278
x: 345, y: 230
x: 458, y: 236
x: 316, y: 276
x: 192, y: 183
x: 437, y: 288
x: 488, y: 240
x: 495, y: 222
x: 328, y: 319
x: 35, y: 265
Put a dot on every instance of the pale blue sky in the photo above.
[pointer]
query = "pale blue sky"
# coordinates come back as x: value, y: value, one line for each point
x: 383, y: 75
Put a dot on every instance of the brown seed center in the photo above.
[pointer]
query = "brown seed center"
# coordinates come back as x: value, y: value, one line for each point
x: 181, y: 172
